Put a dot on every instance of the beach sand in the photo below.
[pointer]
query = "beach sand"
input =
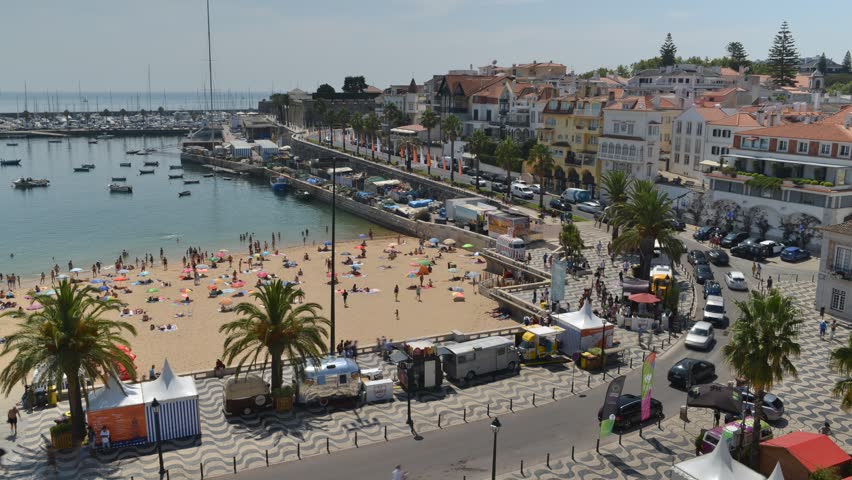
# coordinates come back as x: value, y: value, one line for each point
x: 197, y: 343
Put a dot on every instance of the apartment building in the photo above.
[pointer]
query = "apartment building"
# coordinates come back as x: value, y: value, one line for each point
x: 689, y: 139
x: 409, y: 99
x: 571, y: 129
x: 835, y: 271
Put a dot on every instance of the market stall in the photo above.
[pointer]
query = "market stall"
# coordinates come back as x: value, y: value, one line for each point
x: 178, y: 399
x: 120, y: 408
x: 800, y: 454
x: 583, y: 330
x: 717, y: 465
x: 422, y: 367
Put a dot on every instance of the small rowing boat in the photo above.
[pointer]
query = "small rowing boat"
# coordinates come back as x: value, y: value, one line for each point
x: 11, y: 144
x: 116, y: 188
x: 227, y: 179
x: 124, y: 164
x: 173, y: 177
x: 10, y: 163
x: 184, y: 193
x: 81, y: 169
x: 92, y: 142
x: 132, y: 152
x: 208, y: 175
x: 146, y: 172
x: 119, y: 179
x: 191, y: 182
x: 175, y: 167
x: 90, y: 166
x: 152, y: 163
x: 54, y: 141
x: 30, y: 182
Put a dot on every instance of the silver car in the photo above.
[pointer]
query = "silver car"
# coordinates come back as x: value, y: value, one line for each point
x: 773, y: 407
x: 590, y: 207
x: 700, y: 336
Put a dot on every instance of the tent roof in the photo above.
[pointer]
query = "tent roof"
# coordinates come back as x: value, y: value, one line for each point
x: 777, y: 474
x: 169, y: 386
x: 813, y: 450
x: 582, y: 319
x: 716, y: 465
x: 114, y: 395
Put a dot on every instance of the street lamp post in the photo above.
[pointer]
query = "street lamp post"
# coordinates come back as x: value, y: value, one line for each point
x: 333, y: 255
x: 155, y: 407
x: 495, y: 427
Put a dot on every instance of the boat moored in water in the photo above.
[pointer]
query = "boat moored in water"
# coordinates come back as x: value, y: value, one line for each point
x: 90, y: 166
x: 174, y: 177
x: 11, y: 144
x: 54, y: 141
x: 279, y: 184
x: 132, y: 152
x: 118, y: 188
x: 208, y: 175
x: 10, y: 163
x: 184, y: 193
x: 105, y: 136
x: 30, y: 182
x: 146, y: 172
x: 92, y: 142
x: 152, y: 163
x: 175, y: 167
x: 82, y: 169
x: 125, y: 164
x: 119, y: 179
x: 191, y: 182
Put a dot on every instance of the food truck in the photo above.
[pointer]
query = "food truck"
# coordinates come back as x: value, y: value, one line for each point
x: 660, y: 279
x: 422, y: 369
x: 479, y: 357
x: 330, y: 378
x: 539, y: 342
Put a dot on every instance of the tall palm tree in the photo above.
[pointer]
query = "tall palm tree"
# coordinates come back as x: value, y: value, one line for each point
x: 648, y: 212
x: 278, y: 326
x: 477, y: 143
x: 841, y: 360
x: 452, y: 127
x: 342, y: 120
x: 330, y: 119
x: 429, y: 120
x: 356, y: 121
x: 540, y: 163
x: 281, y: 102
x: 69, y: 337
x: 322, y: 109
x: 507, y: 156
x: 616, y: 184
x: 764, y: 343
x: 372, y: 125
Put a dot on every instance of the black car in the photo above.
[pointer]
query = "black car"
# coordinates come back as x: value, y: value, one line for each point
x: 697, y: 257
x: 486, y: 175
x: 718, y: 257
x: 498, y: 178
x: 750, y: 251
x: 559, y: 204
x: 629, y: 411
x: 704, y: 233
x: 703, y: 273
x: 499, y: 187
x: 712, y: 287
x: 733, y: 239
x: 689, y: 372
x: 678, y: 225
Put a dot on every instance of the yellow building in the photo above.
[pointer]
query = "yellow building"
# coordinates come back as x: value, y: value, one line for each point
x: 571, y: 129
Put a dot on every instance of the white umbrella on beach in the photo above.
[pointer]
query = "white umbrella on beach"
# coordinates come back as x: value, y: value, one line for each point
x: 202, y: 267
x: 449, y: 241
x: 62, y: 277
x: 122, y: 271
x: 76, y: 270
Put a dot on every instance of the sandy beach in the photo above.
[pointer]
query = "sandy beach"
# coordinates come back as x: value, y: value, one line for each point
x: 196, y: 343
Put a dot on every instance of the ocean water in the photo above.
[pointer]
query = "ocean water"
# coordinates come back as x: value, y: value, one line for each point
x: 76, y: 218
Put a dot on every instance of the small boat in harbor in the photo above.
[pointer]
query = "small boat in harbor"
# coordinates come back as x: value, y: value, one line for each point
x: 125, y: 164
x: 92, y: 142
x: 149, y: 150
x: 81, y: 169
x: 117, y: 188
x: 90, y: 166
x: 227, y: 179
x: 10, y: 163
x: 174, y: 177
x: 12, y: 144
x: 303, y: 195
x: 132, y: 152
x: 175, y: 167
x: 152, y: 163
x: 30, y: 182
x: 54, y: 141
x: 141, y: 153
x: 191, y: 182
x: 184, y: 193
x: 208, y: 175
x: 119, y: 179
x: 105, y: 136
x: 146, y: 172
x: 279, y: 184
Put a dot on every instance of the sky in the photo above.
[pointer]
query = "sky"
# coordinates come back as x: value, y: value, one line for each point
x: 282, y: 44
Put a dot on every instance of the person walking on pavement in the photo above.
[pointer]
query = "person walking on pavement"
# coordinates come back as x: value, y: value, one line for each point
x: 345, y: 296
x: 822, y: 327
x: 833, y: 328
x: 12, y: 418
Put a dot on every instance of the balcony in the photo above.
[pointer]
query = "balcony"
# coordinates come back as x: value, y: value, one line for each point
x: 840, y: 272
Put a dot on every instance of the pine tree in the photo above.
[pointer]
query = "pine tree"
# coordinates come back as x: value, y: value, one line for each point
x: 847, y: 62
x: 822, y: 64
x: 738, y: 55
x: 668, y: 51
x: 783, y: 58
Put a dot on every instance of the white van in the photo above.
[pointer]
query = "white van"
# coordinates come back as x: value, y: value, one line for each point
x: 521, y: 190
x: 714, y: 311
x: 511, y: 247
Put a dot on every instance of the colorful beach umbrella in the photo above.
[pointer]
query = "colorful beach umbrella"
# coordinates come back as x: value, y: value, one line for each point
x: 35, y: 306
x: 362, y: 235
x: 185, y: 290
x: 238, y: 284
x: 214, y: 259
x: 262, y: 274
x: 144, y: 273
x: 359, y: 247
x: 212, y: 287
x: 265, y: 253
x: 122, y: 271
x: 202, y: 266
x: 467, y: 245
x: 424, y: 262
x: 327, y: 243
x: 453, y: 270
x: 117, y: 279
x: 434, y: 240
x: 97, y: 280
x: 153, y: 290
x: 225, y: 301
x: 76, y: 270
x: 218, y: 280
x: 449, y: 241
x: 103, y: 288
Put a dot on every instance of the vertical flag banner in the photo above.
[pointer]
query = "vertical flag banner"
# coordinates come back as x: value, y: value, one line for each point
x: 415, y: 155
x: 610, y: 407
x: 647, y: 382
x: 557, y: 281
x: 428, y: 158
x: 461, y: 160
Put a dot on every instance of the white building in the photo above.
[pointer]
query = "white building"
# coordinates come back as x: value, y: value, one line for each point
x: 835, y: 271
x: 689, y: 138
x: 409, y: 99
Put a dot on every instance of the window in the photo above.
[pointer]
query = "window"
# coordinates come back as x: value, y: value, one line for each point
x: 476, y: 114
x: 648, y: 170
x: 726, y: 134
x: 699, y: 128
x: 714, y: 150
x: 689, y: 128
x: 678, y: 126
x: 630, y: 129
x: 501, y: 351
x: 838, y: 300
x: 802, y: 147
x: 697, y: 146
x: 677, y: 158
x: 677, y: 143
x: 843, y: 259
x: 593, y: 140
x: 461, y: 359
x: 343, y: 379
x: 825, y: 149
x: 782, y: 145
x: 687, y: 145
x: 845, y: 150
x: 715, y: 132
x: 488, y: 115
x: 686, y: 159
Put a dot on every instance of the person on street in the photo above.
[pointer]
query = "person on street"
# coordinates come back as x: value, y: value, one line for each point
x: 12, y: 417
x: 396, y: 293
x: 398, y: 474
x: 345, y: 296
x: 833, y: 329
x: 822, y: 327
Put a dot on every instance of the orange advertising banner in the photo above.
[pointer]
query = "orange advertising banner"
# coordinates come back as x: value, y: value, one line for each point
x: 124, y: 423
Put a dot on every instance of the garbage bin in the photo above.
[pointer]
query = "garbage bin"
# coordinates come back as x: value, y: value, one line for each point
x: 684, y: 413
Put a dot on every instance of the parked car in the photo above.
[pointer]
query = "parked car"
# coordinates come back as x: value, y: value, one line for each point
x: 629, y: 411
x: 499, y: 187
x: 678, y: 225
x: 795, y: 254
x: 714, y: 311
x: 718, y: 257
x: 689, y: 371
x: 700, y: 336
x: 751, y: 251
x: 736, y: 281
x: 733, y: 239
x: 498, y: 178
x: 703, y: 273
x: 559, y: 204
x: 590, y: 207
x: 771, y: 247
x: 704, y: 233
x: 521, y: 190
x: 697, y: 257
x: 536, y: 188
x: 712, y: 287
x: 482, y: 183
x: 773, y: 407
x: 486, y: 175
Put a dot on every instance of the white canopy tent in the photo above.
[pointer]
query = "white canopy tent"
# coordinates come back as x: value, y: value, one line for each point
x: 716, y: 465
x: 120, y: 408
x: 583, y: 330
x: 776, y: 474
x: 178, y: 399
x: 115, y: 395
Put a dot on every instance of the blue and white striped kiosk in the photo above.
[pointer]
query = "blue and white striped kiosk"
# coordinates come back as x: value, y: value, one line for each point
x: 178, y: 399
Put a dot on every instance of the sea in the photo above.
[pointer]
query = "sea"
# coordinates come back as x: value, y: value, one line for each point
x: 58, y: 101
x: 76, y: 218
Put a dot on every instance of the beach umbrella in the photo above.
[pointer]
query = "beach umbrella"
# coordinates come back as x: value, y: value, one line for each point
x: 35, y: 306
x: 327, y: 243
x: 118, y: 279
x: 238, y: 284
x: 262, y: 274
x: 434, y: 240
x: 458, y: 295
x: 411, y: 274
x: 122, y: 271
x: 46, y: 292
x: 453, y: 270
x: 362, y: 235
x: 359, y: 247
x: 424, y: 262
x: 467, y: 245
x: 214, y: 259
x: 218, y: 280
x: 103, y: 288
x: 223, y: 250
x: 144, y: 273
x: 62, y: 277
x: 201, y: 270
x: 225, y: 301
x: 424, y: 270
x: 228, y: 290
x: 345, y: 254
x: 10, y: 295
x: 153, y: 290
x: 202, y: 266
x: 265, y: 253
x: 187, y: 270
x: 355, y: 267
x: 212, y: 287
x: 76, y: 270
x: 185, y: 290
x: 449, y: 241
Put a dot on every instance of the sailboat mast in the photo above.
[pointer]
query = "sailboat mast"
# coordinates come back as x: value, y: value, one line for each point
x: 209, y: 57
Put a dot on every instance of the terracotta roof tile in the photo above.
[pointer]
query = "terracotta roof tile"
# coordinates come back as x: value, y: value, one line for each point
x: 844, y: 228
x: 712, y: 114
x: 826, y: 132
x: 740, y: 119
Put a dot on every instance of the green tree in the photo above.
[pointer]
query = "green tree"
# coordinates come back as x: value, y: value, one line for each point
x: 68, y: 337
x: 161, y: 111
x: 372, y: 125
x: 571, y: 242
x: 847, y: 62
x: 452, y: 127
x: 354, y: 84
x: 737, y: 54
x: 356, y: 122
x: 507, y: 154
x: 824, y: 474
x: 105, y: 113
x: 616, y: 184
x: 429, y: 120
x: 527, y: 146
x: 477, y: 143
x: 281, y: 102
x: 668, y: 51
x: 122, y: 112
x: 67, y: 114
x: 392, y: 116
x: 540, y: 163
x: 822, y: 63
x: 622, y: 71
x: 647, y: 216
x: 326, y: 90
x: 278, y: 327
x: 841, y: 360
x: 783, y: 58
x: 321, y: 107
x: 764, y: 343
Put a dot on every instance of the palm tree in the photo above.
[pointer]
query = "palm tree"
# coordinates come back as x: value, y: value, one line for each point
x: 68, y: 337
x: 649, y: 213
x: 429, y: 120
x: 278, y: 326
x: 356, y: 121
x: 841, y: 360
x: 540, y: 163
x: 616, y: 184
x: 342, y: 119
x: 452, y: 129
x: 571, y: 242
x: 281, y: 102
x: 763, y: 343
x: 507, y: 156
x: 322, y: 109
x: 330, y: 119
x: 372, y: 125
x: 477, y: 143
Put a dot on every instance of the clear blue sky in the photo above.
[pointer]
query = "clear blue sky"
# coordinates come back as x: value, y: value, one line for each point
x: 108, y: 44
